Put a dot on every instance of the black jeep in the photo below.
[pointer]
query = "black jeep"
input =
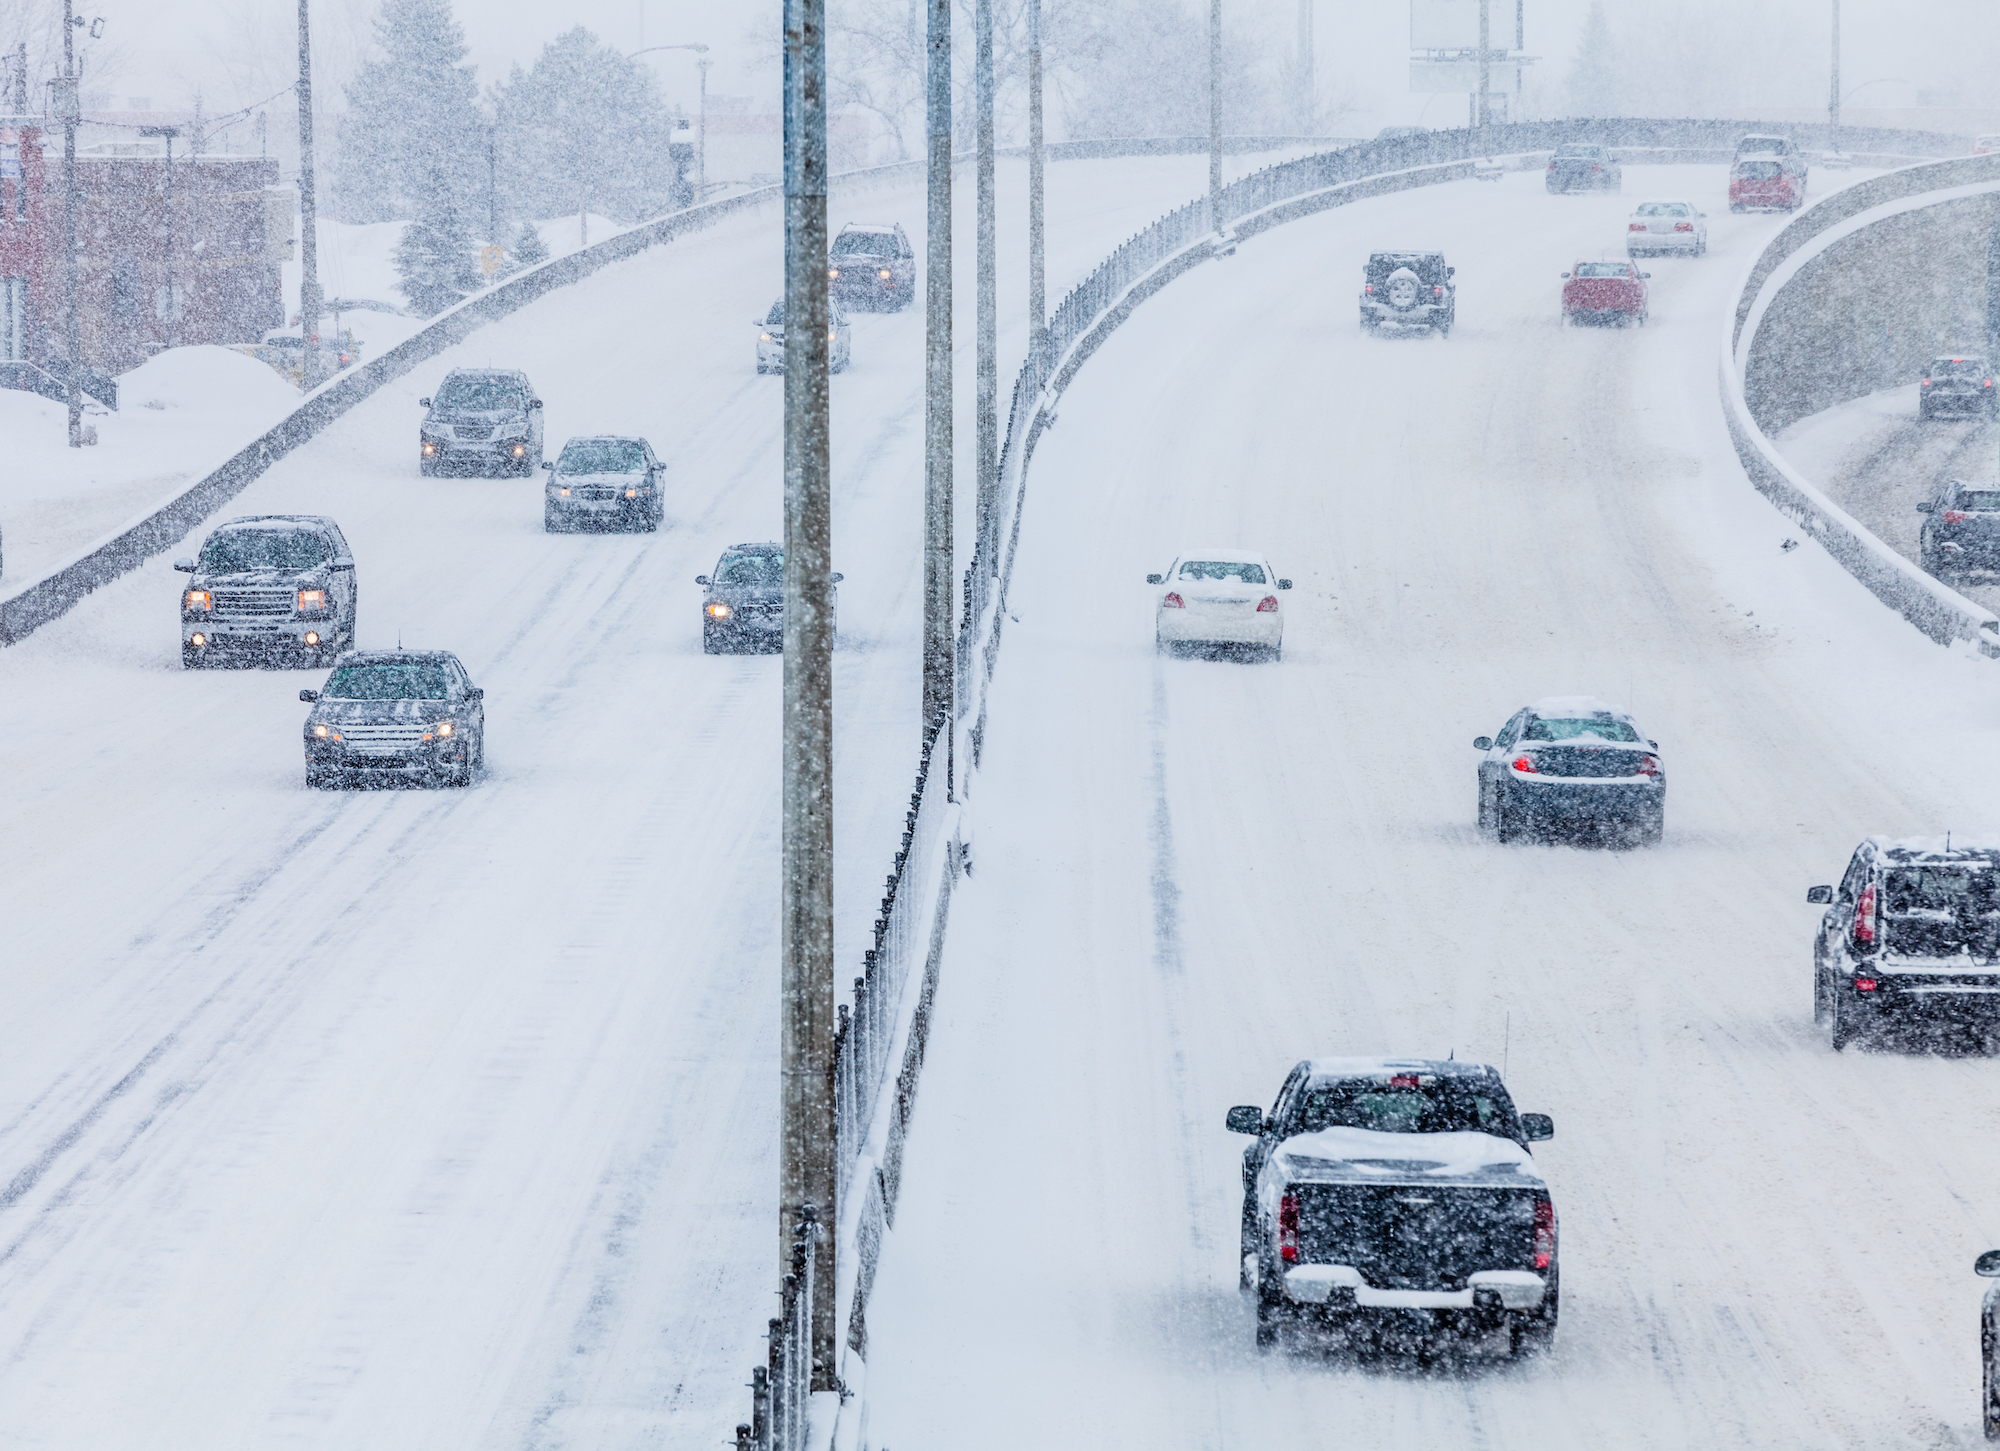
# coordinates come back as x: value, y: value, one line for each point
x: 1409, y: 290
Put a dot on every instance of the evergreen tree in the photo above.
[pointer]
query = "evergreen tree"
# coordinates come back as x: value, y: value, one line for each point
x: 529, y: 248
x: 436, y: 259
x: 1594, y: 88
x: 585, y: 131
x: 413, y: 118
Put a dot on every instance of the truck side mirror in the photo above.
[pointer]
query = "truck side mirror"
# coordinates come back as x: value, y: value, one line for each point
x: 423, y: 403
x: 185, y: 566
x: 1150, y: 579
x: 1819, y: 896
x: 308, y: 696
x: 837, y: 577
x: 1482, y: 743
x: 1535, y: 1127
x: 534, y: 403
x: 475, y: 693
x: 701, y: 579
x: 1284, y: 584
x: 1924, y: 508
x: 549, y: 464
x: 1249, y: 1119
x: 1987, y: 1264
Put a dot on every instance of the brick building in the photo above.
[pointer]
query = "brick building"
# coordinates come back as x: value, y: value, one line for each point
x: 203, y: 267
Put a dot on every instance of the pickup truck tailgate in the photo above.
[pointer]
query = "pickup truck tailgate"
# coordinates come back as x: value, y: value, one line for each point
x: 1416, y: 1236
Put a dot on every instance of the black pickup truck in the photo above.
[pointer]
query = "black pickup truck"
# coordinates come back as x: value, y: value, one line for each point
x: 1396, y: 1198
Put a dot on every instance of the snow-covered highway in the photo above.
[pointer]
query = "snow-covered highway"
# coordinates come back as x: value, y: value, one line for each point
x: 1191, y: 874
x: 429, y: 1119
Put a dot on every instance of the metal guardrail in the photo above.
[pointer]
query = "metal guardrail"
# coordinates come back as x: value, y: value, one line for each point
x: 781, y: 1388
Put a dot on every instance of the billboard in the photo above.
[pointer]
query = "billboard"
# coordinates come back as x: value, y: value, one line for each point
x: 1454, y: 24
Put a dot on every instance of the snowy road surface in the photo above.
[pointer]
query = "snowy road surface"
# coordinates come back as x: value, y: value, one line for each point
x: 1190, y: 874
x: 444, y: 1119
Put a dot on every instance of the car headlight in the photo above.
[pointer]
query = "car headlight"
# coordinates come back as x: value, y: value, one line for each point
x: 429, y: 447
x: 320, y: 731
x: 763, y: 337
x: 832, y: 272
x: 197, y: 599
x: 440, y: 731
x: 311, y: 600
x: 718, y: 611
x: 885, y: 274
x: 520, y: 449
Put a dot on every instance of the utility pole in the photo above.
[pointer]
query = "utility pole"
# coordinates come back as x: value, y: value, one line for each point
x: 1215, y: 114
x: 309, y: 294
x: 1833, y: 101
x: 492, y: 189
x: 1038, y: 299
x: 21, y: 81
x: 806, y: 1153
x: 701, y: 135
x: 938, y: 664
x: 986, y: 382
x: 1308, y: 88
x: 66, y: 94
x: 1485, y: 68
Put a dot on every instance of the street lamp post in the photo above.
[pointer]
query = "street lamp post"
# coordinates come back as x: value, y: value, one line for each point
x: 701, y: 122
x: 310, y: 297
x: 1833, y: 106
x: 1215, y: 114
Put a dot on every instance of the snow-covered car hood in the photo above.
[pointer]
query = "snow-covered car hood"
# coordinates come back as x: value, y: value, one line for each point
x: 252, y: 578
x: 623, y: 479
x: 460, y: 415
x: 380, y: 712
x: 1344, y: 1155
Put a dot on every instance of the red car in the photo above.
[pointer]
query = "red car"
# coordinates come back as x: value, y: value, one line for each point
x: 1766, y: 183
x: 1604, y: 292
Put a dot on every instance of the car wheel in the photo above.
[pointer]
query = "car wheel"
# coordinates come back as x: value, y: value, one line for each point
x: 1534, y: 1331
x: 1652, y: 827
x: 1506, y: 828
x: 1274, y: 1316
x: 1989, y: 1380
x: 1845, y: 1016
x: 711, y: 641
x: 1822, y: 996
x: 190, y: 659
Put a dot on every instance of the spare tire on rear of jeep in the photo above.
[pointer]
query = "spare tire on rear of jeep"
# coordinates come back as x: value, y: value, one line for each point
x: 1402, y: 288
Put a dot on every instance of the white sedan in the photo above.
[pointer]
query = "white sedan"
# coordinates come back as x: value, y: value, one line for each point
x: 1220, y: 597
x: 1666, y: 226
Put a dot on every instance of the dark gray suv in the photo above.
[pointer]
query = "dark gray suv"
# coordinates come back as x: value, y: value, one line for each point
x: 395, y: 715
x: 873, y: 267
x: 743, y: 602
x: 1960, y: 387
x: 1408, y: 289
x: 1962, y: 535
x: 269, y: 589
x: 482, y: 421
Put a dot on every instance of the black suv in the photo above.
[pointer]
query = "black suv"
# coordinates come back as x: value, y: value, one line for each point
x: 1408, y: 289
x: 483, y: 420
x: 1584, y: 166
x: 1962, y: 535
x: 1956, y: 388
x: 271, y: 589
x: 395, y: 715
x: 743, y: 602
x: 873, y: 267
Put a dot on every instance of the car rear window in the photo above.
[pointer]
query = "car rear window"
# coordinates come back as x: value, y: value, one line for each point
x: 1958, y: 368
x: 1662, y: 209
x: 1941, y: 911
x: 1222, y: 569
x: 1978, y: 500
x: 601, y: 456
x: 1426, y: 266
x: 866, y: 244
x: 751, y: 569
x: 1410, y: 1103
x: 1757, y: 170
x: 1578, y: 152
x: 481, y: 395
x: 240, y: 550
x: 1602, y: 728
x: 416, y: 680
x: 1603, y: 269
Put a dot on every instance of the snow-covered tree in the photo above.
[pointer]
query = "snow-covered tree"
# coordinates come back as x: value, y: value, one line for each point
x: 585, y: 130
x: 529, y: 248
x: 436, y: 259
x: 1595, y: 88
x: 412, y: 120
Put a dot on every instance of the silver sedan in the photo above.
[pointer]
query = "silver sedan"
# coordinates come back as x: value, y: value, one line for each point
x: 1666, y: 226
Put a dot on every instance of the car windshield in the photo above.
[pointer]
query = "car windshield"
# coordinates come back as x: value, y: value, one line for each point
x: 866, y: 244
x: 751, y: 569
x: 1604, y: 269
x: 481, y: 395
x: 601, y: 456
x: 1958, y: 367
x: 416, y: 680
x: 1577, y: 152
x: 1750, y: 144
x: 1757, y: 170
x: 241, y: 550
x: 1410, y: 1104
x: 1978, y: 501
x: 1601, y: 727
x: 1222, y: 569
x: 1662, y: 209
x: 1939, y: 911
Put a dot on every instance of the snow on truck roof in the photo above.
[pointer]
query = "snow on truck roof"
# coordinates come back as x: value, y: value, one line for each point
x: 274, y: 521
x: 1378, y: 1067
x: 1572, y: 707
x: 1958, y: 846
x: 1223, y: 556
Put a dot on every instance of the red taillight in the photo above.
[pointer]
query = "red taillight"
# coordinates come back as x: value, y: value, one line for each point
x: 1864, y: 917
x: 1552, y: 166
x: 1987, y: 384
x: 1636, y: 227
x: 1268, y: 605
x: 1956, y: 516
x: 1403, y: 1080
x: 1174, y: 601
x: 1683, y: 226
x: 1545, y: 1232
x: 1437, y: 292
x: 1866, y: 984
x: 1288, y: 1229
x: 1650, y: 766
x: 1525, y: 763
x: 1367, y: 287
x: 1926, y: 382
x: 1595, y: 167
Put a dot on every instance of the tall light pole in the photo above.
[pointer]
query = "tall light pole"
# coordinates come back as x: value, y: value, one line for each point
x: 66, y: 107
x: 806, y: 1149
x: 937, y: 368
x: 1308, y: 90
x: 310, y: 300
x: 1485, y: 67
x: 701, y: 134
x: 1038, y: 300
x: 1215, y: 114
x: 1833, y: 103
x: 986, y: 381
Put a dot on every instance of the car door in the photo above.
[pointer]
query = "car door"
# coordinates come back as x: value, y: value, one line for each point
x: 1493, y: 765
x: 341, y: 581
